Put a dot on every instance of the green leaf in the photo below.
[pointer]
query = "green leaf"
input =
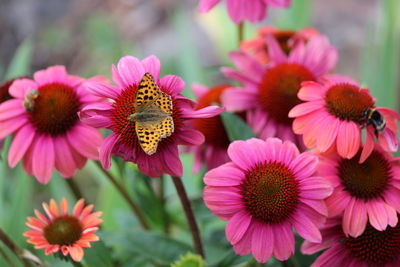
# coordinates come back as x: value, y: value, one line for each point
x: 98, y: 255
x: 236, y: 128
x: 20, y: 64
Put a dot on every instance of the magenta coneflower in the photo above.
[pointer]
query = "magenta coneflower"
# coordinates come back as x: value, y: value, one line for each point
x: 64, y: 232
x: 268, y: 188
x: 287, y: 40
x: 240, y: 10
x: 44, y: 119
x: 363, y: 192
x: 333, y: 115
x: 213, y: 152
x: 371, y: 248
x: 270, y: 92
x: 115, y: 115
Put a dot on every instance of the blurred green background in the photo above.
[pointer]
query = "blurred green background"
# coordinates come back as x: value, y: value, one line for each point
x: 88, y: 36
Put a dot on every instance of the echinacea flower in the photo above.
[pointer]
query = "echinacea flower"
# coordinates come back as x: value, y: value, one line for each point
x: 333, y: 115
x: 214, y: 149
x: 267, y: 189
x: 365, y: 192
x: 240, y: 10
x: 64, y: 232
x: 372, y: 248
x: 4, y: 96
x: 44, y: 119
x: 115, y: 114
x: 269, y: 92
x: 287, y: 40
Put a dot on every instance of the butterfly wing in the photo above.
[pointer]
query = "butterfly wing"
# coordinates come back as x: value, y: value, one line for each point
x: 147, y: 92
x: 148, y: 136
x: 166, y: 127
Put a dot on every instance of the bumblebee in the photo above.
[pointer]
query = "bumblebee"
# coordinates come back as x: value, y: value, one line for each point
x: 373, y: 117
x: 29, y: 100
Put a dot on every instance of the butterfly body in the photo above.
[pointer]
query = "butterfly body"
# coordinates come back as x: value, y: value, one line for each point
x: 153, y: 114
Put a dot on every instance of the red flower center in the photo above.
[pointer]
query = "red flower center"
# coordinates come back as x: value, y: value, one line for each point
x: 55, y: 110
x: 367, y: 180
x: 212, y: 128
x: 347, y: 102
x: 279, y: 88
x: 376, y: 247
x: 65, y: 230
x: 283, y: 38
x: 270, y: 192
x: 4, y: 94
x: 123, y: 107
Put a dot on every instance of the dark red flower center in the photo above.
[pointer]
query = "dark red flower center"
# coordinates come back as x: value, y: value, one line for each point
x: 283, y: 38
x: 212, y: 128
x: 4, y: 94
x: 65, y: 230
x: 367, y: 180
x: 279, y: 88
x: 270, y: 192
x: 376, y: 247
x: 347, y: 102
x: 123, y: 107
x: 55, y: 110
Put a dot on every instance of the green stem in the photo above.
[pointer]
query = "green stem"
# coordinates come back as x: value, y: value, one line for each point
x: 240, y: 32
x: 124, y: 193
x: 18, y: 252
x: 194, y: 229
x: 73, y: 185
x: 164, y: 205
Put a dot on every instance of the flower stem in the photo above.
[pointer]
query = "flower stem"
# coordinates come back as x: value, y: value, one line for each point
x: 18, y: 252
x: 164, y: 205
x: 189, y: 215
x: 73, y: 185
x: 240, y: 32
x: 124, y: 193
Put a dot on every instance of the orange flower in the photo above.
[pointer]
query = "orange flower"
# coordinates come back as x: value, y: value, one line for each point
x: 62, y: 232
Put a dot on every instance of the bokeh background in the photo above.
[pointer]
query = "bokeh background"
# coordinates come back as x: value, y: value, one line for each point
x: 88, y: 36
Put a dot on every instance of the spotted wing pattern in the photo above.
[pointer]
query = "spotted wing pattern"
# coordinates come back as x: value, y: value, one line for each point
x: 149, y: 136
x: 164, y: 102
x: 147, y: 92
x: 166, y: 127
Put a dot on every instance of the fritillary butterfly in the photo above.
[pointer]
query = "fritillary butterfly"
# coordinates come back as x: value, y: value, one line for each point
x: 152, y: 117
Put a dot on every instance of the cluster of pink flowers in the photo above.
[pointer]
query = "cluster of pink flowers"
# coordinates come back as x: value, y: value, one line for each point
x: 343, y: 194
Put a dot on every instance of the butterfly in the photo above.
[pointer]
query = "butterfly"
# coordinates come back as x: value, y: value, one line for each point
x: 153, y: 114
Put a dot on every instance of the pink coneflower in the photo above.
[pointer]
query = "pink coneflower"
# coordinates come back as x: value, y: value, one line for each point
x: 270, y: 92
x: 268, y: 188
x: 4, y: 96
x: 240, y: 10
x: 213, y: 151
x: 363, y: 192
x: 115, y: 116
x: 44, y: 119
x: 372, y: 248
x: 334, y: 114
x: 62, y: 232
x: 287, y: 40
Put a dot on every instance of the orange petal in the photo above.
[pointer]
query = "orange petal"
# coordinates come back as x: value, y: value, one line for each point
x: 83, y: 244
x: 78, y: 207
x: 64, y: 206
x: 54, y: 208
x: 41, y: 217
x: 47, y: 210
x: 86, y: 211
x: 90, y: 230
x: 90, y: 238
x: 76, y: 253
x: 65, y: 250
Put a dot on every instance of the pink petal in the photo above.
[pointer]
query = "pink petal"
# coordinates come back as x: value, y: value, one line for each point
x: 206, y: 5
x: 237, y: 99
x: 21, y: 87
x: 348, y: 140
x: 337, y: 255
x: 54, y: 74
x: 355, y: 218
x: 131, y: 70
x: 86, y: 140
x: 9, y: 126
x: 328, y: 135
x: 172, y: 162
x: 199, y: 90
x: 152, y: 65
x: 225, y: 175
x: 315, y: 188
x: 207, y: 112
x: 172, y: 84
x: 236, y: 10
x: 247, y: 63
x: 337, y: 202
x: 22, y: 141
x: 311, y: 91
x: 190, y: 137
x: 43, y: 159
x: 283, y: 241
x: 76, y: 253
x: 237, y: 226
x: 368, y: 146
x: 11, y: 109
x: 388, y: 140
x: 103, y: 90
x: 106, y: 150
x: 304, y: 165
x: 242, y: 154
x: 377, y: 214
x: 305, y: 108
x: 64, y: 160
x: 262, y: 242
x: 317, y: 205
x: 275, y: 52
x: 243, y: 247
x: 306, y: 228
